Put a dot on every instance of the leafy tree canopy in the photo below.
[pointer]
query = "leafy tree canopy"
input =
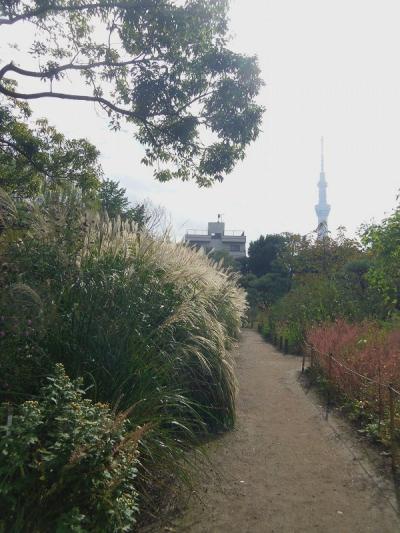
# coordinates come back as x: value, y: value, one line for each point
x: 114, y: 201
x: 264, y: 252
x: 36, y: 156
x: 113, y: 198
x: 383, y: 243
x: 265, y: 290
x: 305, y: 256
x: 286, y: 262
x: 225, y: 257
x: 162, y: 65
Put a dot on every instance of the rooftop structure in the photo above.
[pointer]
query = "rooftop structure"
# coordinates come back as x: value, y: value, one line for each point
x: 217, y: 238
x: 322, y: 209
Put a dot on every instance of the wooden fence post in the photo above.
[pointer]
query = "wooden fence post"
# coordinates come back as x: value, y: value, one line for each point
x: 380, y: 404
x: 328, y: 396
x: 280, y: 343
x: 392, y: 428
x: 286, y: 346
x: 303, y: 363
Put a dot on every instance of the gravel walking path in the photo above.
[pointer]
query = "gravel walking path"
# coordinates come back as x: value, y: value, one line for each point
x: 285, y: 469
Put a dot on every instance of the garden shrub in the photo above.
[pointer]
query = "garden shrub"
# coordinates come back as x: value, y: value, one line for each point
x: 292, y: 333
x: 266, y: 330
x: 311, y: 301
x: 68, y: 464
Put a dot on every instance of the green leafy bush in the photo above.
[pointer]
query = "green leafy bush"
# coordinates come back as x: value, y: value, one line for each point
x: 67, y: 464
x: 312, y: 281
x: 383, y: 241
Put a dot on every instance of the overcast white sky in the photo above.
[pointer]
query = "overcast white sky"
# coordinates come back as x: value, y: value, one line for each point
x: 331, y: 68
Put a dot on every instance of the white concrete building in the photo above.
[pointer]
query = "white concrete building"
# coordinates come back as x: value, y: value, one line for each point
x: 217, y: 238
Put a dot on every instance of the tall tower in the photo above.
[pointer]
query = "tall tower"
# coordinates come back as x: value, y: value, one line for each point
x: 322, y: 208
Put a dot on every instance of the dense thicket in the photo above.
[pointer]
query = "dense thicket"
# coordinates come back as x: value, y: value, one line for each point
x: 35, y: 156
x: 145, y: 323
x: 298, y: 282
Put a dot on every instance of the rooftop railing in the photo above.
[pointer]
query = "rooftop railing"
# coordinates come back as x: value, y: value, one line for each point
x: 196, y: 232
x: 234, y: 233
x: 227, y: 233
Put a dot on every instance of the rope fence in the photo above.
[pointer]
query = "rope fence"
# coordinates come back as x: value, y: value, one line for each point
x: 376, y: 401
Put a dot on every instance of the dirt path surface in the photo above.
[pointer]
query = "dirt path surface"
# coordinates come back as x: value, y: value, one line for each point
x: 285, y: 469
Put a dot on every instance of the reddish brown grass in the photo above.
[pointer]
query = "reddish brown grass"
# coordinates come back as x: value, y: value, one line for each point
x: 365, y: 361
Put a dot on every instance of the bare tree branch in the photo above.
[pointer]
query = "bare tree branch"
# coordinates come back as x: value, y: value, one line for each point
x: 87, y: 66
x: 69, y: 66
x: 63, y: 96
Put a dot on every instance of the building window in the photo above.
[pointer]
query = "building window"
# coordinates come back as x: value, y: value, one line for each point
x: 235, y: 247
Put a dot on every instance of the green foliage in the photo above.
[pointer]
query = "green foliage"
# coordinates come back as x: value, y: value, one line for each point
x: 292, y: 333
x: 145, y: 322
x: 266, y: 277
x: 38, y: 157
x: 312, y: 282
x: 266, y: 330
x: 304, y: 256
x: 68, y: 464
x: 264, y: 254
x: 225, y: 258
x: 383, y: 242
x: 278, y: 264
x: 115, y: 203
x: 164, y: 66
x: 265, y: 290
x: 319, y: 299
x: 113, y: 198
